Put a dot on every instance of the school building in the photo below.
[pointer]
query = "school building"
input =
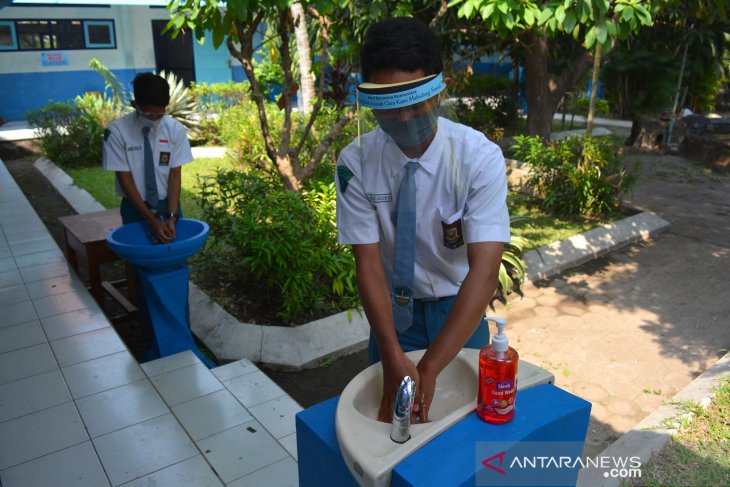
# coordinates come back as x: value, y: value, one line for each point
x: 46, y: 46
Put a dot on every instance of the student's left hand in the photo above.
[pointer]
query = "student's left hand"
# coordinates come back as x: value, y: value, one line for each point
x: 424, y: 393
x: 170, y: 225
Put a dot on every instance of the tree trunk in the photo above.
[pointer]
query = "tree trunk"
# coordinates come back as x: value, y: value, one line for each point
x: 543, y: 90
x: 594, y: 89
x: 536, y: 85
x: 306, y: 92
x: 676, y: 95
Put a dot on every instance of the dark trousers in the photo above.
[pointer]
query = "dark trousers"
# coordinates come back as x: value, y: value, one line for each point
x: 429, y: 316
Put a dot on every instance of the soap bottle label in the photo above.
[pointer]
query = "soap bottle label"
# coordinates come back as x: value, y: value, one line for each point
x: 496, y: 401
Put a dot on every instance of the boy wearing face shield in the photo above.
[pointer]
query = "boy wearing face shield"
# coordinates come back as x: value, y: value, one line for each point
x: 422, y: 200
x: 147, y: 149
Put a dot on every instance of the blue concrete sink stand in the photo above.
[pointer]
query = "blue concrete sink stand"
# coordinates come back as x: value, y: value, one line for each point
x: 163, y: 274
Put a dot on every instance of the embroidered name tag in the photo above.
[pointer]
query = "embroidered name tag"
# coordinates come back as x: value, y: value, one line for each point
x: 134, y: 147
x: 380, y: 198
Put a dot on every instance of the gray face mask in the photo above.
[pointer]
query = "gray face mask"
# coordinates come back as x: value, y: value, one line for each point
x: 146, y: 122
x: 411, y: 132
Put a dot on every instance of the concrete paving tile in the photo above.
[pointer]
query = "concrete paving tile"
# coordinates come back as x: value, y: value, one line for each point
x: 34, y: 435
x: 277, y: 415
x: 241, y: 450
x: 181, y: 385
x: 290, y: 443
x: 193, y: 472
x: 76, y: 466
x: 120, y: 407
x: 211, y: 414
x: 102, y: 374
x: 87, y: 346
x: 283, y: 473
x: 21, y: 335
x: 17, y: 313
x: 144, y: 448
x: 32, y: 394
x: 26, y: 362
x: 10, y: 277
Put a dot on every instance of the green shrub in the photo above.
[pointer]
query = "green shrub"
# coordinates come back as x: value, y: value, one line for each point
x: 577, y: 175
x: 216, y: 97
x: 72, y: 134
x: 580, y: 107
x: 485, y: 103
x: 240, y: 131
x: 279, y: 245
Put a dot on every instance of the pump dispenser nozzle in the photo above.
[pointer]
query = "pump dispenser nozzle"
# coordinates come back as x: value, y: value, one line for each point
x: 499, y: 341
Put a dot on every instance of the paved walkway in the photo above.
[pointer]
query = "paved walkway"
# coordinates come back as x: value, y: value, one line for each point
x: 628, y: 331
x: 76, y: 409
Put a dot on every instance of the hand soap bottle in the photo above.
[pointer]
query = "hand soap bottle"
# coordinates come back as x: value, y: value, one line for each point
x: 497, y: 378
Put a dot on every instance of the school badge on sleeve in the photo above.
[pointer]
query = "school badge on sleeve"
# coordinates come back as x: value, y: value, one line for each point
x: 344, y: 175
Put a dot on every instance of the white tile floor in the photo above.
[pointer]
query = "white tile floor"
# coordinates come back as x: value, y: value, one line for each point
x: 77, y: 410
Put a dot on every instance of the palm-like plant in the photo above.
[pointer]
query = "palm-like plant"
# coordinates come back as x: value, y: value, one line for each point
x: 182, y: 106
x: 512, y: 269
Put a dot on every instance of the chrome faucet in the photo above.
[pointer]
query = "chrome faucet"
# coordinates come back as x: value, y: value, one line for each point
x: 400, y: 430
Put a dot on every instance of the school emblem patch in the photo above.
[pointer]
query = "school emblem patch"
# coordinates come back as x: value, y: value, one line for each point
x: 401, y: 295
x: 453, y: 235
x: 107, y: 133
x: 344, y: 175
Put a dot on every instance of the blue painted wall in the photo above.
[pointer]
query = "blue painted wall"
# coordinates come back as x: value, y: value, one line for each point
x: 211, y: 65
x: 39, y: 89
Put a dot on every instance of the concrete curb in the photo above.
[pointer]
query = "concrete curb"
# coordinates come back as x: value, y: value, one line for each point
x: 78, y: 198
x: 653, y: 432
x: 306, y: 346
x: 550, y: 260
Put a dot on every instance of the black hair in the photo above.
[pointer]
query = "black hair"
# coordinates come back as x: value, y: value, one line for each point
x: 151, y: 90
x: 401, y: 43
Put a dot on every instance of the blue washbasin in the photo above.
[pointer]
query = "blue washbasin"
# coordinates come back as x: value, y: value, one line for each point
x: 131, y: 243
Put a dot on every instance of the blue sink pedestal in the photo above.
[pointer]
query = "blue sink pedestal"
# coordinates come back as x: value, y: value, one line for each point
x: 549, y: 422
x: 163, y: 275
x: 166, y: 297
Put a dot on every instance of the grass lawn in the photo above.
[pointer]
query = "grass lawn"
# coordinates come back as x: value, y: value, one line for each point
x: 700, y: 453
x: 100, y: 183
x: 543, y: 229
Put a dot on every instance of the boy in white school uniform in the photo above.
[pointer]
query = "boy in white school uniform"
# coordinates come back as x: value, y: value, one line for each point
x: 147, y: 149
x: 156, y: 199
x: 422, y: 200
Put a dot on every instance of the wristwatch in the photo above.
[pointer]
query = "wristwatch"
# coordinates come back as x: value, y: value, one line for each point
x: 170, y: 215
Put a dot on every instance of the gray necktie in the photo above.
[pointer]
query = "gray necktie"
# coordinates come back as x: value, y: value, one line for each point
x: 405, y: 248
x: 150, y: 181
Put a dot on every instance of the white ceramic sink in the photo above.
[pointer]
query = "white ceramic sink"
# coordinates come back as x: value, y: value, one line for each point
x: 365, y: 443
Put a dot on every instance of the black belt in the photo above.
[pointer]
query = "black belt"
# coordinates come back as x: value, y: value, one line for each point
x: 433, y: 300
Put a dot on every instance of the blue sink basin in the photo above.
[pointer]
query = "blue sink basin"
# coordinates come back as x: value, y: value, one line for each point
x: 131, y: 243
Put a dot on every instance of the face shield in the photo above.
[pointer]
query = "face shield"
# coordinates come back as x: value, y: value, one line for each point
x: 408, y: 112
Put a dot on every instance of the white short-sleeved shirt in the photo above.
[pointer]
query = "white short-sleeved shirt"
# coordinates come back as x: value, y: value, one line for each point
x: 461, y: 192
x: 124, y: 150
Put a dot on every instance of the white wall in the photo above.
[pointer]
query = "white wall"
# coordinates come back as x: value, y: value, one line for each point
x: 133, y: 26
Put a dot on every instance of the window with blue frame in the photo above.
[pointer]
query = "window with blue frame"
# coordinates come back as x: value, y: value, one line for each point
x: 66, y: 34
x: 7, y: 36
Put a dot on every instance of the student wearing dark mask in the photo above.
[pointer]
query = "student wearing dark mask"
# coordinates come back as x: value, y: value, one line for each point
x: 147, y: 149
x: 422, y: 200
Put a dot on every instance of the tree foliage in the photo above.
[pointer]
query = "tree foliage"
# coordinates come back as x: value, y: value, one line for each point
x: 238, y: 24
x: 538, y: 33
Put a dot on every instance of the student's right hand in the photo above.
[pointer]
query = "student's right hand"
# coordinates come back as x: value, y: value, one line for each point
x: 394, y: 370
x: 161, y: 232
